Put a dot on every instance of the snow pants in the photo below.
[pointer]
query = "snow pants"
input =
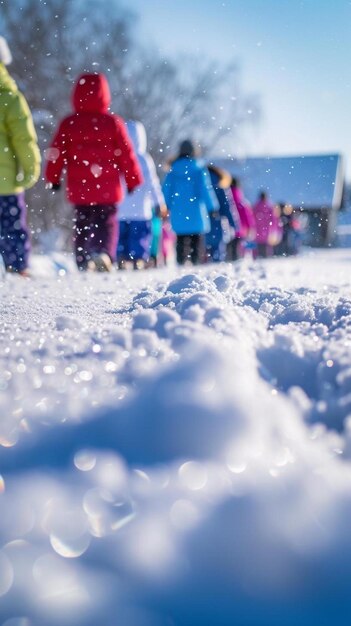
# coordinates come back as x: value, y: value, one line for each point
x: 215, y: 246
x: 134, y: 240
x: 95, y: 231
x: 263, y: 251
x: 189, y: 247
x: 14, y: 235
x: 235, y: 249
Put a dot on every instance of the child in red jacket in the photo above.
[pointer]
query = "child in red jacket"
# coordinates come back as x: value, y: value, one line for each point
x: 93, y: 146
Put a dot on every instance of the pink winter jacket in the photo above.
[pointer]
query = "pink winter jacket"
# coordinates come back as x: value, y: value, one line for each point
x: 247, y: 226
x: 267, y: 224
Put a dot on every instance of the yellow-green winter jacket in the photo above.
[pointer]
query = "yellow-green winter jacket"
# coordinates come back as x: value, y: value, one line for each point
x: 19, y: 152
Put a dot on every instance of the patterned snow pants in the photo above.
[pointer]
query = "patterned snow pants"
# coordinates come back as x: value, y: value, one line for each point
x: 95, y: 231
x: 14, y: 236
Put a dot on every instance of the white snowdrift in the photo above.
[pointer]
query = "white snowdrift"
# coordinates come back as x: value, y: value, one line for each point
x: 175, y: 445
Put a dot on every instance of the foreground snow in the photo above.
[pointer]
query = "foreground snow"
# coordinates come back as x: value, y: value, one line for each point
x: 175, y: 445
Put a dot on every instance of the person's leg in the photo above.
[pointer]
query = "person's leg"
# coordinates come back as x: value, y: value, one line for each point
x: 156, y: 230
x: 230, y: 251
x: 180, y: 249
x: 233, y: 249
x: 213, y: 239
x: 262, y: 251
x: 215, y: 253
x: 123, y: 243
x: 81, y: 235
x: 209, y: 254
x: 140, y: 241
x: 195, y: 249
x: 104, y: 230
x: 14, y: 235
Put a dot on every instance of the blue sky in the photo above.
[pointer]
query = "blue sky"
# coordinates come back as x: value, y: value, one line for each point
x: 296, y: 54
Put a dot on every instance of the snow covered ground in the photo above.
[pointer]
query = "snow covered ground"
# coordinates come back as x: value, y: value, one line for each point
x: 176, y: 444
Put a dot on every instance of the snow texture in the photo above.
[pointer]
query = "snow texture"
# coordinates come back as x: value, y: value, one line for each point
x: 175, y: 445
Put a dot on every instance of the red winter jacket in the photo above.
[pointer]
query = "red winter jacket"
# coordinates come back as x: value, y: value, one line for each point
x: 93, y: 147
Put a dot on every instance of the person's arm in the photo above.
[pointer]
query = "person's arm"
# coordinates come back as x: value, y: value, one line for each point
x: 24, y: 140
x: 126, y: 158
x: 56, y: 155
x: 153, y: 182
x: 233, y: 215
x: 208, y: 192
x: 167, y: 190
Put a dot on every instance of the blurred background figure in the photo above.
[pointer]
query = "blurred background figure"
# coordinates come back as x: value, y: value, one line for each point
x: 244, y: 241
x: 140, y: 208
x: 190, y: 198
x: 19, y: 166
x: 224, y: 223
x: 292, y: 231
x: 163, y: 239
x: 268, y: 226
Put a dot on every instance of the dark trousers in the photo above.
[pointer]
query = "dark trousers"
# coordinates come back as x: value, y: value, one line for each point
x: 95, y: 231
x: 233, y: 250
x: 14, y: 236
x: 188, y: 248
x: 215, y: 246
x: 264, y: 250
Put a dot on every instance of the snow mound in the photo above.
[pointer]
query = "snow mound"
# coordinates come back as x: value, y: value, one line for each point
x: 166, y: 431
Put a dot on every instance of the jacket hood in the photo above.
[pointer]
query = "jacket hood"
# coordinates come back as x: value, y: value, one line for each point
x: 91, y: 93
x: 137, y: 134
x: 6, y: 81
x: 5, y: 54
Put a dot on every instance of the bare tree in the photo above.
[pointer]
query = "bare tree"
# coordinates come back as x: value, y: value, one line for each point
x: 58, y: 40
x: 173, y: 98
x: 186, y: 97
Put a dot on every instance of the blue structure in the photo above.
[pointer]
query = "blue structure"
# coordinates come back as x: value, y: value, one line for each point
x: 312, y: 184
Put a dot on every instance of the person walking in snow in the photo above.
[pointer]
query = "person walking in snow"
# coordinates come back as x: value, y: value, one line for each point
x: 136, y: 211
x: 268, y: 230
x: 290, y: 230
x: 94, y: 148
x: 247, y: 229
x: 224, y: 222
x: 190, y: 198
x: 19, y: 168
x: 162, y: 240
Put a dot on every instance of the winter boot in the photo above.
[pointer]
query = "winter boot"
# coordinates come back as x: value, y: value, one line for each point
x: 100, y: 262
x: 139, y: 264
x: 122, y: 265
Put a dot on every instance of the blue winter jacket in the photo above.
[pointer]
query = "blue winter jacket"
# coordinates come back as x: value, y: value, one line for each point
x: 189, y: 197
x: 227, y: 207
